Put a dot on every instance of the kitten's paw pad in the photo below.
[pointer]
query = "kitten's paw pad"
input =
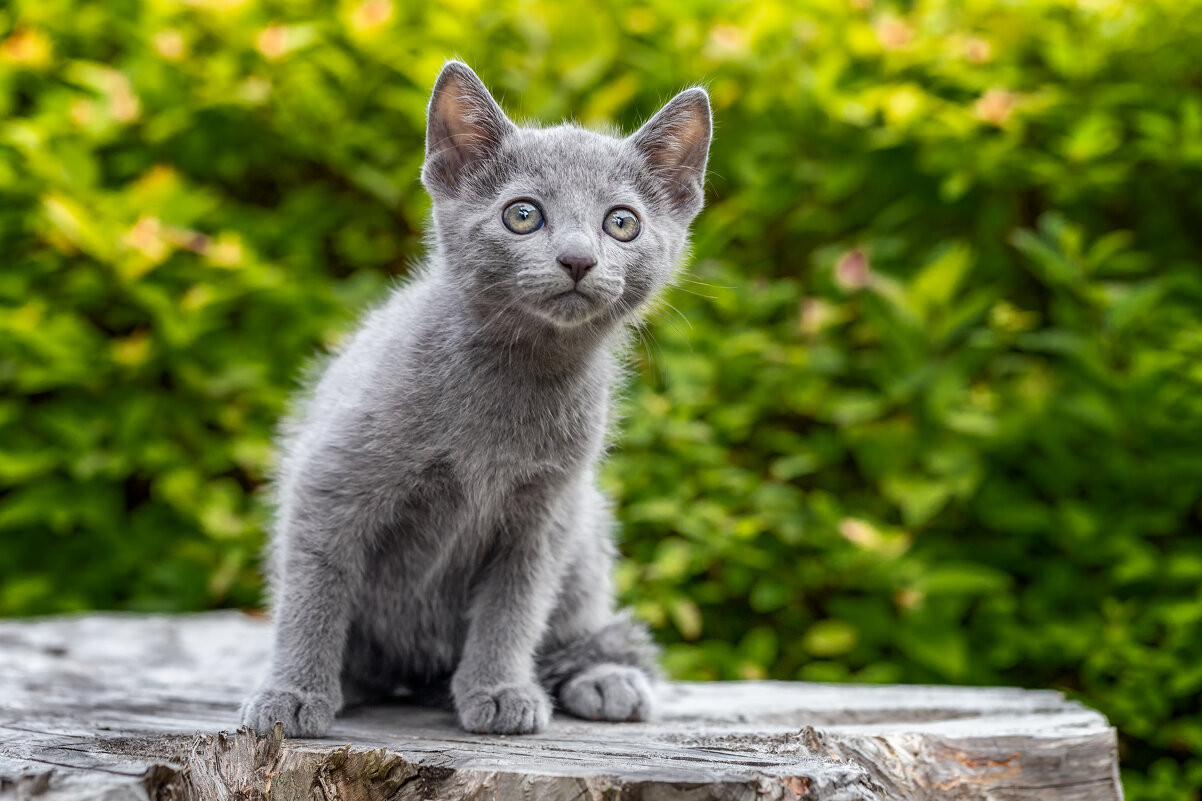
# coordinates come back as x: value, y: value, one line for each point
x: 512, y: 709
x: 303, y: 714
x: 609, y: 692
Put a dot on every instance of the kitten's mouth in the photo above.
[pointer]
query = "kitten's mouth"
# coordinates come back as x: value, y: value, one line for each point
x: 570, y: 307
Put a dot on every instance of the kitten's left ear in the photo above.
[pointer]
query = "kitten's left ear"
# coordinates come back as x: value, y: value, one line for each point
x: 675, y: 144
x: 464, y: 127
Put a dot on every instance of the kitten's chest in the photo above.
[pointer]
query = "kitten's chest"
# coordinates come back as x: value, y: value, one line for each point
x: 492, y: 458
x: 493, y: 432
x: 533, y: 429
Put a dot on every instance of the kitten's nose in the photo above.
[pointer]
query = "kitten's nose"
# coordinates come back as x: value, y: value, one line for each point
x: 577, y: 261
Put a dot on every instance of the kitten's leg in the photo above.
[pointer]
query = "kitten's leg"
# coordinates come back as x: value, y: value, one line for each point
x: 320, y: 563
x: 495, y: 688
x: 600, y: 665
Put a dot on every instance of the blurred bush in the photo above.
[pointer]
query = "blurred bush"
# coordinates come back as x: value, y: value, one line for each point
x: 927, y: 407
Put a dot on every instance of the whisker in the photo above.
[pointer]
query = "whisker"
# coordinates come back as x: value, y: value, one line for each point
x: 643, y: 330
x: 678, y: 312
x: 710, y: 284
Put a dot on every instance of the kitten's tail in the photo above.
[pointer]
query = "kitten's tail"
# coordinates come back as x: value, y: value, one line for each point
x: 624, y: 641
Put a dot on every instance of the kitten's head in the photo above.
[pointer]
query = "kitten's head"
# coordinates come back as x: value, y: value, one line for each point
x: 562, y: 225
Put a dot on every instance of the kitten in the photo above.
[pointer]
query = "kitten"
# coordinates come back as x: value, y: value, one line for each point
x: 438, y: 524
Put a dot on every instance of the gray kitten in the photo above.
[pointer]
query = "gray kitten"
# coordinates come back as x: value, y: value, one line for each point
x: 439, y: 525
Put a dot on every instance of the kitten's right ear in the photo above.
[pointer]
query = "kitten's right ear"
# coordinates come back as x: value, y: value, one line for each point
x: 464, y: 126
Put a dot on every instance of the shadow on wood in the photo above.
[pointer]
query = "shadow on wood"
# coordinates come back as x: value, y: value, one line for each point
x: 141, y: 707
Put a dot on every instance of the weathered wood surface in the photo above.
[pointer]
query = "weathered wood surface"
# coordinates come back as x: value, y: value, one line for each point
x: 132, y: 707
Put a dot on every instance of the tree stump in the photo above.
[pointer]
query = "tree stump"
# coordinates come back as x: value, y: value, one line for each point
x: 105, y: 706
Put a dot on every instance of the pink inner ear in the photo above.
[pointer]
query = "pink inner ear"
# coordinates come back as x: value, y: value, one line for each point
x: 675, y: 143
x: 464, y: 125
x: 693, y: 136
x: 463, y: 117
x: 452, y: 109
x: 452, y: 118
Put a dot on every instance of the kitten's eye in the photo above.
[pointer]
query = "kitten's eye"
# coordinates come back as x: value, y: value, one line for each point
x: 622, y: 224
x: 522, y: 217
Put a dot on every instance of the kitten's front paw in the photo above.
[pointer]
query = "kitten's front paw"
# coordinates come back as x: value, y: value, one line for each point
x: 303, y: 714
x: 510, y: 709
x: 609, y: 692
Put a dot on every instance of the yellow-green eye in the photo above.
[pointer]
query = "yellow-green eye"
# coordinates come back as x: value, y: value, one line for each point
x: 522, y: 217
x: 622, y: 224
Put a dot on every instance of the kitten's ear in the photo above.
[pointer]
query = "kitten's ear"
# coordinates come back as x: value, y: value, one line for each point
x: 464, y: 126
x: 675, y: 144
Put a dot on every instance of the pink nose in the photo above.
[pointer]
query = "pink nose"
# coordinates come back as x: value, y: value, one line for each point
x: 577, y: 263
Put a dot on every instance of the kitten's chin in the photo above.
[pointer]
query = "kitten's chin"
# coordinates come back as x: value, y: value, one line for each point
x: 570, y: 309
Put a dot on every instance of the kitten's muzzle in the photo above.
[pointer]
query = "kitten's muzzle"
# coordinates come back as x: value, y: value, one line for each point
x: 577, y: 262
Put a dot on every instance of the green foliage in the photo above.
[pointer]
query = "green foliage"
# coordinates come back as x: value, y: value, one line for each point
x: 927, y: 406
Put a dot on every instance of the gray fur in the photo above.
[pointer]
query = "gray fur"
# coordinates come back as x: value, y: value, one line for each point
x: 438, y: 523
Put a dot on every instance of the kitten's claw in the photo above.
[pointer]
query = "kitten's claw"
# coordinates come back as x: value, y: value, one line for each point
x: 609, y: 692
x: 303, y: 714
x: 511, y: 709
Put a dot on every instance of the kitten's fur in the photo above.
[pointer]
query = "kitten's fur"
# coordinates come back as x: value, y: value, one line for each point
x: 438, y: 517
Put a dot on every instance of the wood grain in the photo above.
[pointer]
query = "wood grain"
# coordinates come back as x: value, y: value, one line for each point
x: 142, y: 707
